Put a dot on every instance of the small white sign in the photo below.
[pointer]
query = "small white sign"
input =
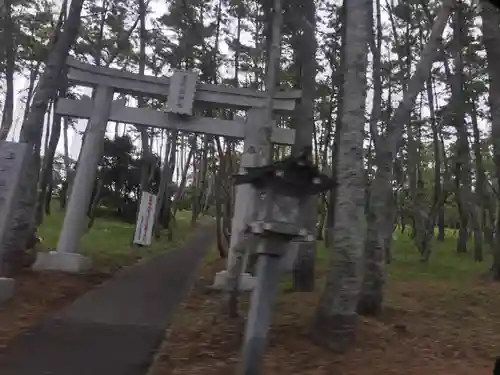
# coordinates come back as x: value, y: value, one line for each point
x: 145, y: 220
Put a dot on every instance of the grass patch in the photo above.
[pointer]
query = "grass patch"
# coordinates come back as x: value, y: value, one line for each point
x: 445, y: 264
x: 108, y: 243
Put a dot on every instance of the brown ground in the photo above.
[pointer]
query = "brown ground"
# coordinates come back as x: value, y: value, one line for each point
x: 427, y: 328
x: 38, y: 293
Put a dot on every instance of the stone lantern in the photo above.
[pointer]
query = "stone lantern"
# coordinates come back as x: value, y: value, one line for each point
x: 284, y: 187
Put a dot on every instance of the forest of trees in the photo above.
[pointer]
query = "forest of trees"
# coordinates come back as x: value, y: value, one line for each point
x: 403, y: 100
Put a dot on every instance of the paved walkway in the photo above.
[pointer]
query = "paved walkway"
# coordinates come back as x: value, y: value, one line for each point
x: 116, y: 328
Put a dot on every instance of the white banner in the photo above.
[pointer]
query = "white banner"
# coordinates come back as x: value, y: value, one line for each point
x: 145, y: 220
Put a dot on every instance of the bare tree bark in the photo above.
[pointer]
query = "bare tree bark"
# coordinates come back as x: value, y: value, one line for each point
x: 466, y: 208
x: 303, y: 273
x: 481, y: 193
x: 147, y: 157
x: 164, y: 192
x: 47, y: 89
x: 380, y: 224
x: 34, y: 72
x: 199, y: 193
x: 491, y: 39
x: 10, y: 65
x: 330, y: 214
x: 47, y: 168
x: 436, y: 144
x: 336, y: 319
x: 171, y: 208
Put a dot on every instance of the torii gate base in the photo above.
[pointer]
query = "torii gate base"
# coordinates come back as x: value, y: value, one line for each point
x: 59, y: 261
x: 248, y: 282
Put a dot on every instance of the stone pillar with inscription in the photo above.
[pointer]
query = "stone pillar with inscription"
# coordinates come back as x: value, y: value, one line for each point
x: 67, y: 258
x: 13, y: 162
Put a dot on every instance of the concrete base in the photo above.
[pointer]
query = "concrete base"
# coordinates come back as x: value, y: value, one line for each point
x: 65, y: 262
x: 7, y: 287
x: 247, y: 281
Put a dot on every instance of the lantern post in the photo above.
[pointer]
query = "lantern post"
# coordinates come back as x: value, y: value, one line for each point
x: 284, y: 187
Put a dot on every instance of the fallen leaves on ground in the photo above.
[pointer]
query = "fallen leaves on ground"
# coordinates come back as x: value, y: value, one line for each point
x: 431, y: 328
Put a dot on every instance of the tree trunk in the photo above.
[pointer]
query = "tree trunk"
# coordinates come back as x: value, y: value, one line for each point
x: 47, y: 170
x: 47, y: 127
x: 229, y: 193
x: 303, y: 273
x: 330, y: 213
x: 491, y: 39
x: 147, y: 156
x: 10, y: 65
x: 164, y: 191
x: 199, y: 193
x: 436, y: 144
x: 220, y: 178
x: 35, y: 70
x: 94, y: 202
x: 421, y: 237
x: 171, y: 205
x: 481, y: 193
x: 67, y: 166
x: 47, y: 89
x: 379, y: 221
x: 336, y: 317
x: 462, y: 167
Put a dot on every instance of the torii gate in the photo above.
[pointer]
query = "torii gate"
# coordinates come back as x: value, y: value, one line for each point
x: 183, y: 92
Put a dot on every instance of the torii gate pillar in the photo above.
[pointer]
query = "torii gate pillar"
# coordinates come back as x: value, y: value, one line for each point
x: 66, y: 258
